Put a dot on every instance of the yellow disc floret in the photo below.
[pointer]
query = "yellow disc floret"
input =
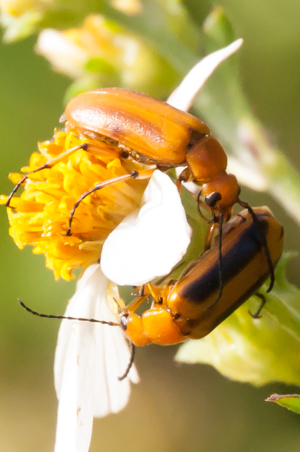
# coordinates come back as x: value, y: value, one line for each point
x: 40, y: 216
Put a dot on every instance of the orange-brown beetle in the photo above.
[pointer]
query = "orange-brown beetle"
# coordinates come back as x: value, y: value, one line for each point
x: 185, y: 308
x: 152, y: 132
x: 149, y: 131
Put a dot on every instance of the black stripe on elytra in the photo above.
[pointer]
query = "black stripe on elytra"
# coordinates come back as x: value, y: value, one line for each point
x: 216, y: 316
x: 244, y: 250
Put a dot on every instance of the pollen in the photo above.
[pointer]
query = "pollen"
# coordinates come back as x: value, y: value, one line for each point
x: 40, y: 215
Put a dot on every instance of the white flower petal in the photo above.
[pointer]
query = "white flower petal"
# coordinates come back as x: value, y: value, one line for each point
x: 183, y: 96
x: 247, y: 174
x: 110, y: 366
x: 150, y: 241
x: 89, y: 359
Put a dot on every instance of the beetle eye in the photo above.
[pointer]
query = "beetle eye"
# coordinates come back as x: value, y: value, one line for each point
x: 213, y: 198
x: 123, y: 322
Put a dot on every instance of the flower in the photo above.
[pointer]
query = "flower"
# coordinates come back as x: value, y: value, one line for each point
x: 87, y: 361
x: 100, y: 53
x: 21, y: 17
x: 40, y: 215
x: 90, y: 357
x: 157, y: 232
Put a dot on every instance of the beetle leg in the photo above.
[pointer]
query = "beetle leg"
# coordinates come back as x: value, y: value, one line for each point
x: 146, y: 174
x: 257, y: 315
x: 136, y: 302
x: 129, y: 364
x: 46, y: 165
x: 209, y: 234
x: 142, y: 291
x: 202, y: 204
x: 220, y: 262
x: 263, y: 243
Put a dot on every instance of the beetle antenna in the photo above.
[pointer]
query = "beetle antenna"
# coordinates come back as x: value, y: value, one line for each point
x: 118, y: 304
x: 129, y: 364
x: 46, y: 165
x: 63, y: 317
x: 263, y: 242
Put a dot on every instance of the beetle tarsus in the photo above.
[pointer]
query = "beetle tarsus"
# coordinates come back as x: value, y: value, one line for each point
x: 15, y: 189
x: 257, y: 315
x: 46, y: 165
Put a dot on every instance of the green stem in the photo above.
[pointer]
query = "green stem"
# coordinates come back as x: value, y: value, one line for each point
x: 166, y: 43
x: 284, y: 185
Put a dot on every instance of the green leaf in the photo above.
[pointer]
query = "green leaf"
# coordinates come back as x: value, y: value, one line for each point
x: 168, y: 36
x: 99, y: 65
x: 289, y: 401
x: 256, y: 351
x: 219, y: 30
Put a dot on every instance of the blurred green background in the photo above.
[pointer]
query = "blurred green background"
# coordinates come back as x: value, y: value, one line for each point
x: 176, y: 407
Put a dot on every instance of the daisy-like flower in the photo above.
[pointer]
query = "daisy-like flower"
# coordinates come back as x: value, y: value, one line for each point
x: 144, y: 233
x: 20, y: 17
x: 40, y: 216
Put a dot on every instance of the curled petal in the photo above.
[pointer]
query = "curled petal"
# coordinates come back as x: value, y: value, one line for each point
x: 89, y: 359
x: 185, y: 93
x: 150, y: 241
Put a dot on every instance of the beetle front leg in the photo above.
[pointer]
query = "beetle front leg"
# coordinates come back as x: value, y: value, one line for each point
x: 209, y: 234
x: 184, y: 176
x: 139, y: 175
x: 257, y: 315
x: 46, y: 165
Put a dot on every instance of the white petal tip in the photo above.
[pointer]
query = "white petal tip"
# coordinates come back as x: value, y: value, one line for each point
x: 185, y: 93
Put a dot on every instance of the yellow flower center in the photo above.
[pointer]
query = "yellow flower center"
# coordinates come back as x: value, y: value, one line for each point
x: 40, y: 216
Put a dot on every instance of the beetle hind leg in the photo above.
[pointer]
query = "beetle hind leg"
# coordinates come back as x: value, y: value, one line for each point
x: 130, y: 364
x: 257, y: 315
x: 220, y: 261
x: 263, y: 243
